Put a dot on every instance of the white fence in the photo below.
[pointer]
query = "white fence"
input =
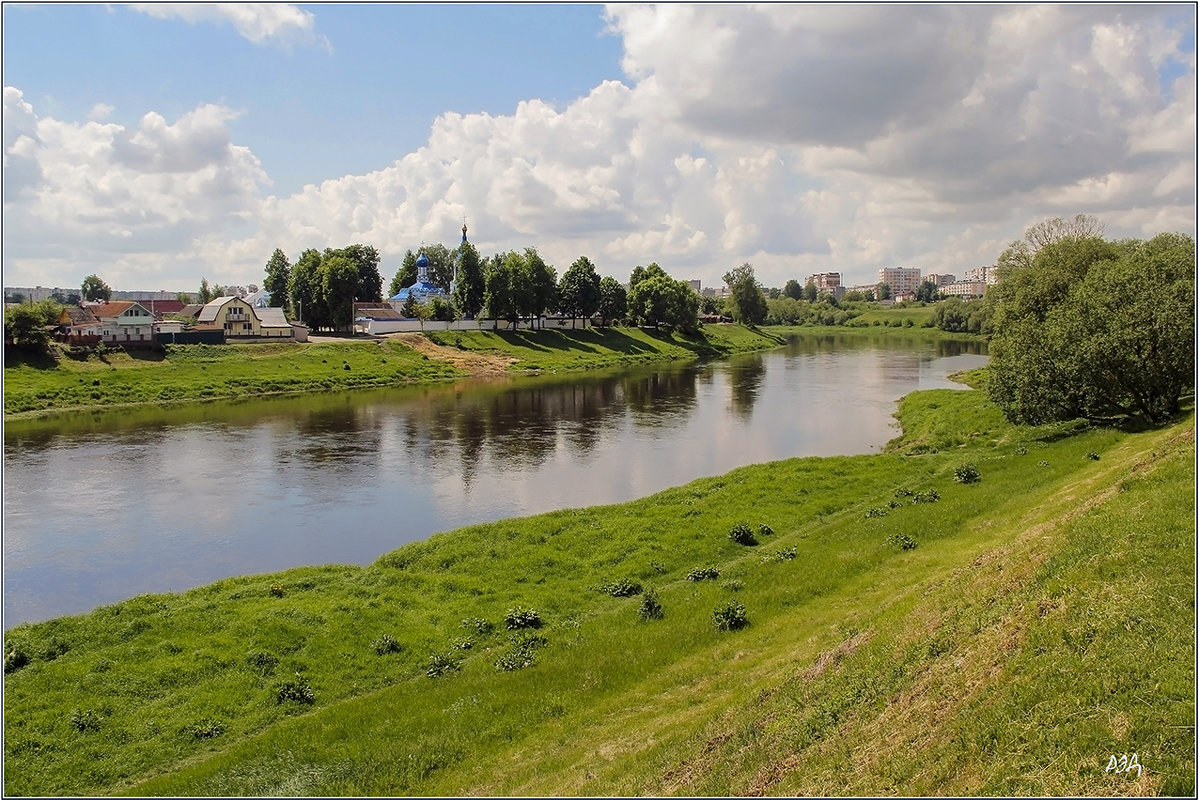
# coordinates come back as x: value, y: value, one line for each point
x: 396, y: 326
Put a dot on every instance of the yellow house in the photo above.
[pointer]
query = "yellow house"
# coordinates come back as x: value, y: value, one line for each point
x: 241, y: 319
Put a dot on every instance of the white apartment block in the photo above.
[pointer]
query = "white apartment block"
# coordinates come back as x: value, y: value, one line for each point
x: 902, y: 280
x: 829, y: 282
x: 965, y: 289
x: 988, y: 275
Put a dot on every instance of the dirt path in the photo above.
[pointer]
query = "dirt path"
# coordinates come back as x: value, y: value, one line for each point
x: 472, y: 362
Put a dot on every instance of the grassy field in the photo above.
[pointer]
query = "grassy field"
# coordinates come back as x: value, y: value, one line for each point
x: 904, y: 633
x: 183, y: 373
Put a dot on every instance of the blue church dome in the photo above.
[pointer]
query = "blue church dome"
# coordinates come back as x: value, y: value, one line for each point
x: 422, y: 260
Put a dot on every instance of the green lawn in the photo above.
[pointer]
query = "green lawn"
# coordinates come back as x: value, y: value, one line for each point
x: 1041, y: 624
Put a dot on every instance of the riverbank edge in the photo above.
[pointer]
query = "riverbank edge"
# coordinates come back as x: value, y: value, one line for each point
x: 764, y: 338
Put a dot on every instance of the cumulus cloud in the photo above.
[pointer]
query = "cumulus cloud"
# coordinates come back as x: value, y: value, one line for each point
x: 261, y: 23
x: 801, y: 138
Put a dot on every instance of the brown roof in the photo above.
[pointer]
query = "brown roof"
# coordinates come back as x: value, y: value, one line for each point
x: 77, y: 315
x: 160, y: 307
x: 114, y: 309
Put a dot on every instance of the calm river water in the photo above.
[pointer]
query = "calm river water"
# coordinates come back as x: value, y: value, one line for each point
x: 101, y: 507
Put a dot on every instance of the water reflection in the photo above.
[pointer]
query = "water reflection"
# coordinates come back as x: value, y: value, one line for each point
x: 166, y: 499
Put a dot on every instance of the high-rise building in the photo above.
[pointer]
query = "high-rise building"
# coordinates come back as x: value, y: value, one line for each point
x: 902, y: 280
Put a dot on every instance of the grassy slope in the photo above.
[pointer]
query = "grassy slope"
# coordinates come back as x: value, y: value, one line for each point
x: 1043, y: 623
x: 204, y: 372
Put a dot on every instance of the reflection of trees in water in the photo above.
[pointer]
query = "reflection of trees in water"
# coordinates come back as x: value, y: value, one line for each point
x: 344, y: 437
x: 658, y: 398
x: 745, y: 375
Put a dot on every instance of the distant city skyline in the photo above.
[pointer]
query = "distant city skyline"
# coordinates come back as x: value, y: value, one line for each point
x: 155, y: 145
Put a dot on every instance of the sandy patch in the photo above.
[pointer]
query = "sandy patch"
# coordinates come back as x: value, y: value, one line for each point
x: 472, y: 362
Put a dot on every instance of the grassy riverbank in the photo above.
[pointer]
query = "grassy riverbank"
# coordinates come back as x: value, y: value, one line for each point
x: 907, y: 634
x: 182, y: 373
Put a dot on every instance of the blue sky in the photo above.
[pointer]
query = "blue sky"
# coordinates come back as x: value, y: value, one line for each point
x: 155, y: 145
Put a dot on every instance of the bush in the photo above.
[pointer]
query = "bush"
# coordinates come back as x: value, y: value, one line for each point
x: 386, y: 644
x: 966, y: 474
x: 932, y: 496
x: 650, y: 608
x: 277, y: 590
x: 780, y: 555
x: 479, y: 625
x: 1093, y: 456
x: 701, y: 573
x: 622, y: 588
x: 85, y: 719
x: 765, y: 530
x: 903, y: 541
x: 521, y: 654
x: 520, y: 618
x: 441, y: 664
x: 742, y: 535
x: 205, y: 729
x: 15, y: 657
x: 876, y: 512
x: 297, y: 690
x: 730, y: 617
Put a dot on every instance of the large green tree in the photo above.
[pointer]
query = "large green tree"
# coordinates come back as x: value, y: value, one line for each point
x: 579, y: 290
x: 94, y: 289
x: 304, y: 290
x: 405, y: 276
x: 205, y: 294
x: 745, y: 295
x: 1094, y: 329
x: 541, y: 291
x: 441, y: 264
x: 25, y: 327
x: 278, y: 272
x: 339, y: 277
x: 792, y: 289
x: 504, y: 273
x: 614, y: 300
x: 470, y: 284
x: 365, y: 259
x: 661, y: 299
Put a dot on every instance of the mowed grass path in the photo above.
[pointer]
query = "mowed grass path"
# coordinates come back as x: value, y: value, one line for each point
x: 39, y: 385
x: 1041, y: 624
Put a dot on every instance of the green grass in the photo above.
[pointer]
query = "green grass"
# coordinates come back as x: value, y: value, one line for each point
x: 186, y: 373
x: 1042, y: 623
x: 592, y: 348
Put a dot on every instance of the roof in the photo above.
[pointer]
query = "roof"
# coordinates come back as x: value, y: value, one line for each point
x: 208, y: 313
x: 116, y: 308
x: 271, y: 317
x: 79, y: 315
x: 161, y: 307
x: 419, y: 288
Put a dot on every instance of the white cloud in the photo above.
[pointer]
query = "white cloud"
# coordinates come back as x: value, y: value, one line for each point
x: 799, y: 138
x: 261, y: 23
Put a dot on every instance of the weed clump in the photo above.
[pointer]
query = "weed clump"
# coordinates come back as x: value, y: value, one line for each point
x: 386, y: 644
x: 262, y: 662
x: 932, y: 496
x: 730, y: 617
x: 701, y: 573
x: 742, y: 535
x: 902, y: 541
x: 520, y: 618
x: 966, y: 474
x: 651, y: 608
x: 297, y: 690
x: 441, y: 664
x: 205, y: 729
x: 765, y: 530
x: 621, y: 589
x: 277, y: 590
x: 781, y: 555
x: 522, y: 652
x: 876, y: 512
x: 15, y: 657
x: 480, y: 626
x: 85, y: 720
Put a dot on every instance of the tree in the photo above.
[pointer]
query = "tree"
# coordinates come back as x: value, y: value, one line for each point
x: 470, y: 283
x: 747, y: 301
x: 441, y: 309
x: 441, y: 265
x: 94, y: 289
x: 1095, y: 329
x: 405, y: 276
x: 304, y: 290
x: 339, y: 283
x: 660, y: 299
x: 542, y: 291
x: 278, y: 273
x: 366, y: 261
x: 205, y: 294
x: 613, y: 300
x: 504, y: 271
x: 642, y: 273
x: 792, y: 289
x: 579, y: 290
x: 25, y: 327
x: 883, y: 291
x: 184, y: 298
x: 810, y: 292
x: 927, y: 291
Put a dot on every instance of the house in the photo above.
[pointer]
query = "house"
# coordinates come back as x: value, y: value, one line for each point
x: 241, y: 320
x: 77, y: 325
x: 124, y: 322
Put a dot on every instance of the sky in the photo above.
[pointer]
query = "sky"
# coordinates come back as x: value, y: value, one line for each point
x: 158, y: 144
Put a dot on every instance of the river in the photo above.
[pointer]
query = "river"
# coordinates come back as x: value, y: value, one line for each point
x: 99, y: 507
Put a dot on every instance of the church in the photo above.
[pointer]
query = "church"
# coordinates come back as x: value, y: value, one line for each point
x: 423, y: 290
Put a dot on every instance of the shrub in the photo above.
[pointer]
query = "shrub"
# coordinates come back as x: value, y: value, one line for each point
x: 205, y: 729
x: 742, y: 535
x: 730, y: 617
x: 386, y: 644
x: 650, y: 608
x: 441, y: 664
x: 1021, y: 451
x: 966, y: 474
x: 876, y: 512
x: 1092, y: 455
x: 765, y: 530
x: 903, y: 541
x: 481, y: 626
x: 701, y: 573
x: 932, y: 496
x: 521, y: 654
x: 15, y: 657
x: 277, y: 590
x: 297, y: 690
x: 85, y: 719
x: 622, y: 588
x: 520, y: 618
x: 779, y: 555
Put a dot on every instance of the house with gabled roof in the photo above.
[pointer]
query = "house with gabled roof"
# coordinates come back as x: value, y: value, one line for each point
x: 240, y: 319
x: 124, y: 322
